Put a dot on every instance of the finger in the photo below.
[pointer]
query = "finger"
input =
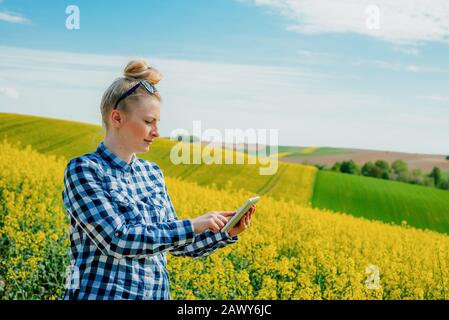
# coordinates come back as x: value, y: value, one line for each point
x: 214, y: 227
x: 218, y: 223
x: 227, y: 213
x: 221, y: 221
x: 243, y: 222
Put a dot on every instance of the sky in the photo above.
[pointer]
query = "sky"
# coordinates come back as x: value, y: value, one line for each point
x: 349, y: 73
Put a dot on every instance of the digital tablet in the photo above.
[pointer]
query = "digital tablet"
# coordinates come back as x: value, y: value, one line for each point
x: 240, y: 213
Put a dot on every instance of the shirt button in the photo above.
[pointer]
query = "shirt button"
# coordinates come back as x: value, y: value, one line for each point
x: 147, y: 293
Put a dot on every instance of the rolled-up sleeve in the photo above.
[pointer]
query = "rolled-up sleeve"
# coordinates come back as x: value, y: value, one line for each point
x: 90, y: 207
x: 205, y: 243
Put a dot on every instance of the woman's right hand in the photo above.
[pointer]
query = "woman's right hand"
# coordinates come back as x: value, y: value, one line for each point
x: 213, y: 221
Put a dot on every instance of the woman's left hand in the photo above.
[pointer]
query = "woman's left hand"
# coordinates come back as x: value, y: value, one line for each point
x: 244, y: 223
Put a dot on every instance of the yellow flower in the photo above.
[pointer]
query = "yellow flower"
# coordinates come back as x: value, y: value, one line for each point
x: 291, y: 251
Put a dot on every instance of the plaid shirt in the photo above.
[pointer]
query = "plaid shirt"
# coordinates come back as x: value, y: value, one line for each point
x: 122, y: 225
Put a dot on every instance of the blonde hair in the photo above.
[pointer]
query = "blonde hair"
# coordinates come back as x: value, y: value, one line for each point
x: 134, y: 71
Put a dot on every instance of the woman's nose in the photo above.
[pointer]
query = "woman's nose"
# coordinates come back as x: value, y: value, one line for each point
x: 155, y: 133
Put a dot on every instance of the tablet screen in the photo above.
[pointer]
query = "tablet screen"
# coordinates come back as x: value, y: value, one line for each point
x: 240, y: 213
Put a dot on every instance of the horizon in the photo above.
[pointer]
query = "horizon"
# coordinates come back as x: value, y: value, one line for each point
x: 318, y: 72
x: 249, y: 144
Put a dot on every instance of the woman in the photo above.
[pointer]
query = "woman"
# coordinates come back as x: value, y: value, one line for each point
x: 122, y: 219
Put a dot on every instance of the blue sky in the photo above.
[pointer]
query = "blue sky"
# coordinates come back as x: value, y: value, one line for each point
x: 312, y: 69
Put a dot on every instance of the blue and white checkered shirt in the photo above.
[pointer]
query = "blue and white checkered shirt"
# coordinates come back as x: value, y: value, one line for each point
x: 122, y: 225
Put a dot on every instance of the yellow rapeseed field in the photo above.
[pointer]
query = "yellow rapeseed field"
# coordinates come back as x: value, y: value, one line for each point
x: 291, y: 251
x: 33, y: 225
x: 309, y: 150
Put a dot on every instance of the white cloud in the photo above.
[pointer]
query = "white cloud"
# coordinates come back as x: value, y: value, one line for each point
x: 9, y: 92
x: 406, y: 50
x: 438, y: 98
x: 420, y: 69
x: 307, y: 108
x: 401, y: 21
x: 396, y: 66
x: 66, y: 81
x: 314, y: 54
x: 13, y: 18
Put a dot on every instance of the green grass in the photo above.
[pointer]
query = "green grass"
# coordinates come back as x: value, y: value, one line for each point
x: 50, y: 136
x: 388, y: 201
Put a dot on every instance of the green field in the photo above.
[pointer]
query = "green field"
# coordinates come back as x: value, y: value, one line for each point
x: 323, y: 151
x: 389, y: 201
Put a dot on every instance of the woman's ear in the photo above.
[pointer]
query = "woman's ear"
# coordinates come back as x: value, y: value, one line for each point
x: 117, y: 118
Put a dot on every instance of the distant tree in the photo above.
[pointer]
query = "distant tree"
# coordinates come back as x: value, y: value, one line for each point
x: 444, y: 184
x: 436, y: 175
x: 447, y: 158
x: 367, y: 169
x: 383, y: 165
x: 348, y: 167
x: 416, y: 177
x: 404, y: 177
x: 320, y: 166
x: 399, y: 170
x: 378, y: 172
x: 384, y: 169
x: 428, y: 182
x: 399, y: 167
x: 336, y: 167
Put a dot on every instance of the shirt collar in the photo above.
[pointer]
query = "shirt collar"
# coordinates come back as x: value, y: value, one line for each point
x: 115, y: 160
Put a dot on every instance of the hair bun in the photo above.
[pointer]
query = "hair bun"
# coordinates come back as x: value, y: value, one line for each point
x: 139, y: 70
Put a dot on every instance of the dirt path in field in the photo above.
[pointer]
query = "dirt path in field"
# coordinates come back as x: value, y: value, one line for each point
x: 425, y: 162
x: 272, y: 181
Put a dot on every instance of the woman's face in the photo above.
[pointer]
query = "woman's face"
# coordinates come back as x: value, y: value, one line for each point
x: 139, y: 127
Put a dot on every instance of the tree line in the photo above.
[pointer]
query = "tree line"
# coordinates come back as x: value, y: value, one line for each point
x: 397, y: 171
